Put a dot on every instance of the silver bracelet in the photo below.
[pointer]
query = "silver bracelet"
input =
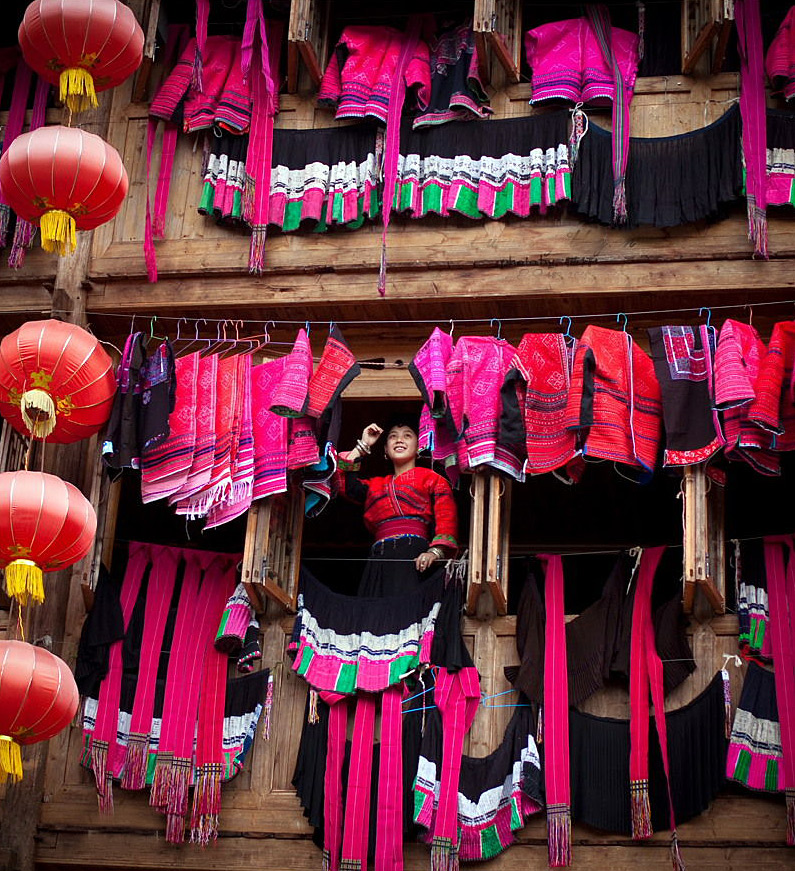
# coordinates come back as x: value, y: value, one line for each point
x: 363, y: 448
x: 438, y: 551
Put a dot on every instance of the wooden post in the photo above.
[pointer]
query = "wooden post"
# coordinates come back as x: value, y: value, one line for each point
x: 476, y: 525
x: 704, y: 564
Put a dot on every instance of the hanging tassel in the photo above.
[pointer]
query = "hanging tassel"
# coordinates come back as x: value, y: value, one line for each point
x: 790, y: 793
x: 641, y: 29
x: 10, y: 759
x: 325, y: 862
x: 38, y: 412
x: 382, y: 268
x: 206, y: 804
x: 619, y: 202
x: 5, y: 220
x: 135, y: 763
x: 58, y: 232
x: 676, y: 855
x: 158, y: 792
x: 313, y: 718
x: 24, y: 233
x: 579, y: 127
x: 77, y: 89
x: 102, y: 777
x: 177, y: 799
x: 727, y: 702
x: 641, y: 810
x: 256, y: 255
x: 266, y: 723
x: 444, y: 855
x: 559, y: 835
x: 757, y: 229
x: 24, y: 580
x: 540, y: 726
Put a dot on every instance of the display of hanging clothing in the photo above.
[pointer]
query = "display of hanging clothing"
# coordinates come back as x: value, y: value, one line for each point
x: 684, y: 361
x: 780, y: 59
x: 670, y: 180
x: 354, y: 648
x: 475, y: 374
x: 10, y: 59
x: 780, y: 158
x: 513, y: 165
x: 756, y: 758
x: 534, y: 396
x: 225, y: 178
x: 598, y: 640
x: 772, y: 408
x: 738, y: 360
x: 322, y: 178
x: 614, y: 401
x: 586, y: 60
x: 164, y: 715
x: 497, y: 793
x: 753, y: 612
x: 457, y: 92
x: 600, y: 748
x: 145, y: 399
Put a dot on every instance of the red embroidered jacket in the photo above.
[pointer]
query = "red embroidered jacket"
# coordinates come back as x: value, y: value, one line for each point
x: 773, y: 407
x: 417, y: 502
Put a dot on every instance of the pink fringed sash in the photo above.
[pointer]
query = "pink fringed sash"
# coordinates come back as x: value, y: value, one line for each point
x: 754, y: 116
x: 646, y: 675
x: 104, y: 746
x: 556, y: 717
x: 158, y: 599
x: 24, y: 231
x: 14, y: 125
x: 457, y: 696
x: 270, y: 431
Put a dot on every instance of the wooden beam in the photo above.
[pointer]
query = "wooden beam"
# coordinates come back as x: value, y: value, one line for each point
x: 700, y: 45
x: 476, y: 530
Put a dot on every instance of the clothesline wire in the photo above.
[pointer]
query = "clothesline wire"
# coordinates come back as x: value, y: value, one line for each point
x: 420, y: 321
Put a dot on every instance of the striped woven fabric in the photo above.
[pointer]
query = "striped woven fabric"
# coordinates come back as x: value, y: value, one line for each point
x: 343, y: 644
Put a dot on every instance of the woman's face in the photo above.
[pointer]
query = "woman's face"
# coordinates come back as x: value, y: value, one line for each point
x: 401, y: 444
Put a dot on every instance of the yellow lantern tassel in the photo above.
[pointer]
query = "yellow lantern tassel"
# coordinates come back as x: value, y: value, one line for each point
x: 58, y: 232
x: 38, y: 412
x: 10, y: 759
x: 24, y: 579
x: 77, y: 89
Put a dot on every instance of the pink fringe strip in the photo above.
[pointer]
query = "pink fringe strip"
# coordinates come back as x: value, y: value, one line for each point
x: 256, y: 255
x: 641, y: 810
x: 444, y: 855
x: 135, y: 764
x: 206, y: 805
x: 23, y: 239
x: 559, y: 836
x: 158, y: 793
x: 103, y: 778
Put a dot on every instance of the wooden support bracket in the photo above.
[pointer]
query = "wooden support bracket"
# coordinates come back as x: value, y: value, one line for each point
x: 477, y: 517
x: 704, y: 562
x: 307, y: 40
x: 497, y: 26
x: 489, y: 539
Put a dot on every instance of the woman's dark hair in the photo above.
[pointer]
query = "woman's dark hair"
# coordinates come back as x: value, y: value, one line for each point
x: 403, y: 418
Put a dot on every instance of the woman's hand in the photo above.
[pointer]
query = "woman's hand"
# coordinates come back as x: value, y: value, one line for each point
x: 425, y: 560
x: 371, y: 434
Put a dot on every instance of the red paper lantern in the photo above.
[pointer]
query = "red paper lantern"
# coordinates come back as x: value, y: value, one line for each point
x: 56, y: 381
x: 82, y: 45
x: 46, y: 524
x: 38, y: 698
x: 62, y: 179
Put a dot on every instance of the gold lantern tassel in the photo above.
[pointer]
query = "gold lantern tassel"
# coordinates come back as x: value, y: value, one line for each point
x: 38, y: 412
x: 58, y: 232
x: 24, y: 579
x: 10, y: 759
x: 77, y: 89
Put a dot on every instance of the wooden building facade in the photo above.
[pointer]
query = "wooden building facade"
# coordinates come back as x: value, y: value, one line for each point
x: 475, y: 278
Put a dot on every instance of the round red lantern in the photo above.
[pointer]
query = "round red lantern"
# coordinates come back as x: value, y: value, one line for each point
x: 56, y: 381
x: 62, y: 179
x: 82, y: 45
x: 38, y: 698
x: 46, y: 524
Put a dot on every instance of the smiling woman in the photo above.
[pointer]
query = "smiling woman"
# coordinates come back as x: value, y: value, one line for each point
x: 411, y: 513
